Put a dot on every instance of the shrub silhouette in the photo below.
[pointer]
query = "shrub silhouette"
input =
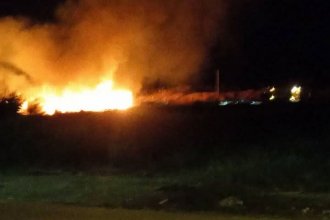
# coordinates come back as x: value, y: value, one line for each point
x: 10, y: 104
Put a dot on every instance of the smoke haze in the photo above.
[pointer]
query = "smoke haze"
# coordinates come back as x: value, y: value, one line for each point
x: 93, y: 40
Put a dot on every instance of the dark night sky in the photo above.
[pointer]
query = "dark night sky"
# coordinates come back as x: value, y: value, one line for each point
x: 276, y: 41
x: 40, y: 10
x: 266, y: 41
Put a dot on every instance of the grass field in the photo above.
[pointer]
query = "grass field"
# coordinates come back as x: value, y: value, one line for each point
x: 273, y: 160
x: 180, y: 192
x: 19, y: 211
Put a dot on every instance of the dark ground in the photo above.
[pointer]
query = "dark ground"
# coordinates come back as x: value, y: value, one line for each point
x: 270, y: 156
x: 167, y: 136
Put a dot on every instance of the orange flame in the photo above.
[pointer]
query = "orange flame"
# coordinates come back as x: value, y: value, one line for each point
x: 103, y: 97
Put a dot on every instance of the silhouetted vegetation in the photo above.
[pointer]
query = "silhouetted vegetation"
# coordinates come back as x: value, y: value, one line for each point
x: 191, y: 157
x: 10, y: 105
x: 269, y: 146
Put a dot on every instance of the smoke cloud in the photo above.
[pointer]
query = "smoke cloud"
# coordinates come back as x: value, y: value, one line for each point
x: 93, y: 40
x: 15, y: 70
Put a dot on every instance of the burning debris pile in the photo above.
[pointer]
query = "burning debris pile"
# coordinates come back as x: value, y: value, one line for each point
x: 96, y: 53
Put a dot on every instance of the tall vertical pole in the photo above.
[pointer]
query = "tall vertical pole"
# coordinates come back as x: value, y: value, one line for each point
x: 217, y: 82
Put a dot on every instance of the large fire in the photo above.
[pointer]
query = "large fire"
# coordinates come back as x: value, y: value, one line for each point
x: 96, y: 41
x: 101, y: 98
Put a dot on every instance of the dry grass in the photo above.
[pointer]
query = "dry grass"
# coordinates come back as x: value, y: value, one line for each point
x: 18, y: 211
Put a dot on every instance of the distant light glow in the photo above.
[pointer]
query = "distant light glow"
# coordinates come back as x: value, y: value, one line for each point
x: 296, y: 90
x: 225, y: 103
x: 256, y: 103
x: 272, y: 97
x: 295, y: 94
x: 273, y: 89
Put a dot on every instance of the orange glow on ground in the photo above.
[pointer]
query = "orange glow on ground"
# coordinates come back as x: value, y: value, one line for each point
x: 101, y: 98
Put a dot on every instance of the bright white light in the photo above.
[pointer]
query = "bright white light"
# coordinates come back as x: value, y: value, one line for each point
x: 296, y: 90
x: 295, y: 94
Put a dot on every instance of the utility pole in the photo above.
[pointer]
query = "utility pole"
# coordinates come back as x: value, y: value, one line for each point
x: 217, y: 82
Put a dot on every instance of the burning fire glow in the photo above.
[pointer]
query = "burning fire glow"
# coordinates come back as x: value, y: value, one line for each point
x: 103, y: 97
